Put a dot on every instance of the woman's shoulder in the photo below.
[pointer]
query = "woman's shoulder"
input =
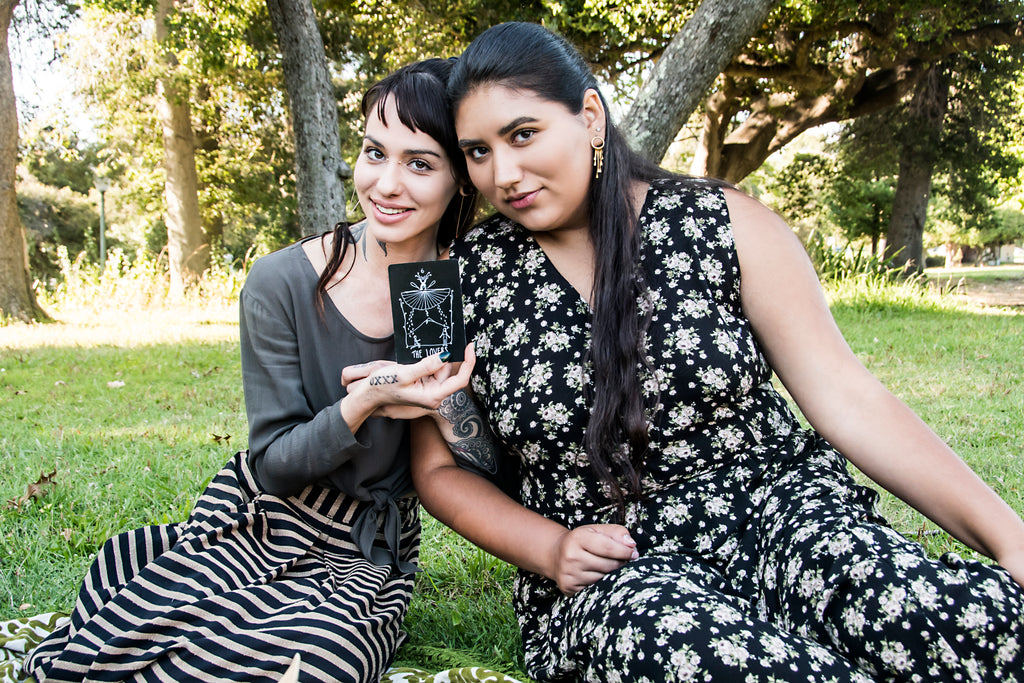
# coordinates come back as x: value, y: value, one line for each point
x: 277, y: 266
x: 688, y: 190
x: 280, y: 274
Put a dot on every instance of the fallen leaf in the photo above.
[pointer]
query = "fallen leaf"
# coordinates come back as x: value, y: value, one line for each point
x: 19, y: 392
x: 218, y: 438
x: 60, y: 383
x: 24, y: 606
x: 116, y: 384
x: 66, y: 533
x: 34, y: 491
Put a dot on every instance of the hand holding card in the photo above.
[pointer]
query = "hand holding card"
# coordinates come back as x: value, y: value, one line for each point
x: 426, y: 305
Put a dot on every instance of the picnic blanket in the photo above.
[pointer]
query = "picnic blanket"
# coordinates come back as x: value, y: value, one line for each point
x: 19, y: 636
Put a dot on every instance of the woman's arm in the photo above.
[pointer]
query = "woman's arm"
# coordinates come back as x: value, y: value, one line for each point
x: 846, y: 404
x: 479, y: 511
x: 292, y: 442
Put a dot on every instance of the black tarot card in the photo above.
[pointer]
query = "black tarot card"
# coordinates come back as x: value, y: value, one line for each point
x: 426, y: 305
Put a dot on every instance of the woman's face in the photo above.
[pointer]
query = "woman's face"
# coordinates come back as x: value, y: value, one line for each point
x: 403, y: 179
x: 529, y: 156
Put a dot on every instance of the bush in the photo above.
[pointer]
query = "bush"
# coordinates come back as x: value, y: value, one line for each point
x: 142, y: 283
x: 837, y: 265
x: 55, y: 217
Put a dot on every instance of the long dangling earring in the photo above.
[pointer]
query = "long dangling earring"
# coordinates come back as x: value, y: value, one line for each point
x: 353, y: 200
x: 462, y: 205
x: 597, y: 144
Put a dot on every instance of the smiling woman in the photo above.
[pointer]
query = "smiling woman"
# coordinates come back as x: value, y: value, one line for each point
x: 671, y: 517
x: 308, y: 541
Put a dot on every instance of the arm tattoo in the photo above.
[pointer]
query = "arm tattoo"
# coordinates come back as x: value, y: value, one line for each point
x: 474, y: 443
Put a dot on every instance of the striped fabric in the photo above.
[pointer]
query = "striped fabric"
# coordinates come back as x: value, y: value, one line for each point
x: 235, y: 591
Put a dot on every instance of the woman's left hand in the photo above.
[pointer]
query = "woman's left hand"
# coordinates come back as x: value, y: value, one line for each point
x: 407, y: 391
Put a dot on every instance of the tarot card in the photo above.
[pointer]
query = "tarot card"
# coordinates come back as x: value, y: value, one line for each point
x: 426, y: 305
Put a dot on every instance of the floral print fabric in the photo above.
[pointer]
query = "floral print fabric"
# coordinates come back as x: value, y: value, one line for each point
x: 760, y: 558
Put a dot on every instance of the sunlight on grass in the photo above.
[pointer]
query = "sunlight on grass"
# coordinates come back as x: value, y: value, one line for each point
x: 125, y: 329
x: 128, y: 304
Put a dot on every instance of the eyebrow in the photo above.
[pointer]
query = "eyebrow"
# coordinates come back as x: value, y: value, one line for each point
x: 408, y: 152
x: 505, y: 130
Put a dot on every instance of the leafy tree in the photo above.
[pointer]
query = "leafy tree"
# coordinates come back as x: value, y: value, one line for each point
x: 813, y: 63
x: 16, y: 296
x: 967, y: 144
x: 904, y: 241
x: 187, y: 249
x: 712, y: 36
x: 799, y: 190
x: 319, y: 168
x: 239, y: 120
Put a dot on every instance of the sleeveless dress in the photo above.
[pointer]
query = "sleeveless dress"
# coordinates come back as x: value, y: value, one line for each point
x: 760, y: 558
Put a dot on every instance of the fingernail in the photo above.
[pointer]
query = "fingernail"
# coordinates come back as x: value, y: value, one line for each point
x: 635, y: 555
x: 628, y: 540
x: 445, y: 355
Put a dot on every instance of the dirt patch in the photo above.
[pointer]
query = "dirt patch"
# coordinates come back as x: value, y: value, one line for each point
x: 993, y: 292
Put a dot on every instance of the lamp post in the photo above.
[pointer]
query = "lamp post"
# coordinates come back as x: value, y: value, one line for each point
x: 103, y: 184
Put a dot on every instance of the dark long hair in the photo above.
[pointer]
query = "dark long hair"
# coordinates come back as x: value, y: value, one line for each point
x: 419, y: 91
x: 528, y: 57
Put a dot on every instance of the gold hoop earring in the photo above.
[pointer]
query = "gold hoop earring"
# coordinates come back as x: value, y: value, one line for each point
x: 597, y: 144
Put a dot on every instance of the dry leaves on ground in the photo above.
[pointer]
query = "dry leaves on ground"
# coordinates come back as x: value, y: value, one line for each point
x: 34, y: 491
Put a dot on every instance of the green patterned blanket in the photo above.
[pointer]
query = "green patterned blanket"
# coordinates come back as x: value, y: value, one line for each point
x: 19, y: 636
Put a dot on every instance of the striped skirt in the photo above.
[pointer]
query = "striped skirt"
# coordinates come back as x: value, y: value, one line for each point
x: 235, y: 591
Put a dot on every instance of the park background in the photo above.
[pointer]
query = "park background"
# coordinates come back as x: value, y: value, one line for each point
x: 150, y: 151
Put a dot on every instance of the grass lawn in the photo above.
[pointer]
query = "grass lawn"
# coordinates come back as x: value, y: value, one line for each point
x: 120, y: 418
x: 1011, y: 271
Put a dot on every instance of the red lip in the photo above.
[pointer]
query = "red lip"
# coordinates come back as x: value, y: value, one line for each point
x: 521, y: 201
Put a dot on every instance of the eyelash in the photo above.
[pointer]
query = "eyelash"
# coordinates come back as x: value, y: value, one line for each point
x: 418, y: 165
x: 517, y: 137
x: 528, y: 132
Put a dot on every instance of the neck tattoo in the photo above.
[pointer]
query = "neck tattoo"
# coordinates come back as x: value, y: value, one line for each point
x: 359, y: 237
x: 383, y: 247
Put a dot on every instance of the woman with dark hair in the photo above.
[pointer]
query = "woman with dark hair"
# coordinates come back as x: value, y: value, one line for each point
x: 307, y: 543
x: 671, y: 518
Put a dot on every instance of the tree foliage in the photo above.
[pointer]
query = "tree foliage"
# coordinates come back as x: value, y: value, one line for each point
x: 814, y: 63
x: 810, y: 63
x: 848, y: 187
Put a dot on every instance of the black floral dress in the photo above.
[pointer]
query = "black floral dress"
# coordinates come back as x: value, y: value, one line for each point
x: 760, y: 558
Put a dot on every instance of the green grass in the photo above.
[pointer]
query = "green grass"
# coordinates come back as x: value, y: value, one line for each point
x: 957, y: 366
x: 1004, y: 272
x: 140, y: 453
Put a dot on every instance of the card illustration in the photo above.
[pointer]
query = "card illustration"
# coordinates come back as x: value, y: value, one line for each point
x: 426, y: 306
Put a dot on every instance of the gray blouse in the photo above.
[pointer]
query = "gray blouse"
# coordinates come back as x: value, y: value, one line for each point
x: 291, y: 376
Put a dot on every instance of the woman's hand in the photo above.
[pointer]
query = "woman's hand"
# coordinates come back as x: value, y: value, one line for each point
x: 585, y: 554
x: 388, y: 389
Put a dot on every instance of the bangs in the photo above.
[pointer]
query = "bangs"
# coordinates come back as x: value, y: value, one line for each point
x: 422, y: 105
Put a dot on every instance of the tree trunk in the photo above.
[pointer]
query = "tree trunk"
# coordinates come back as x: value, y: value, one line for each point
x: 187, y: 249
x: 319, y: 168
x: 689, y: 66
x: 905, y: 238
x: 16, y: 297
